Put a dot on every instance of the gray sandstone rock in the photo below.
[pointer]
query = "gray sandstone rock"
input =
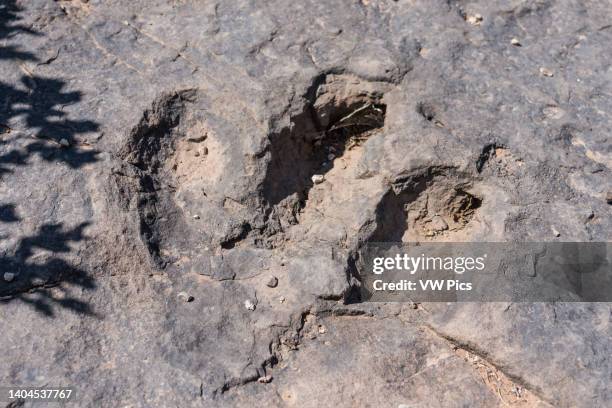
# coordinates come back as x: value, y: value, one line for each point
x: 121, y: 121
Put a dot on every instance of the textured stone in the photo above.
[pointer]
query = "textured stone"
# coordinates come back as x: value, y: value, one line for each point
x: 428, y: 108
x: 272, y: 282
x: 185, y: 297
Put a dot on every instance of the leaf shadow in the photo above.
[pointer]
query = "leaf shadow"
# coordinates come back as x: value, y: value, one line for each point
x: 35, y: 266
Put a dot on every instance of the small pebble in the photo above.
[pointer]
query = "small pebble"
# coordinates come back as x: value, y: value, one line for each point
x: 64, y: 143
x: 518, y: 391
x: 196, y: 217
x: 248, y: 305
x: 273, y: 282
x: 205, y: 151
x: 555, y: 232
x: 515, y: 42
x: 322, y: 329
x: 476, y: 19
x: 546, y: 72
x: 318, y: 178
x: 609, y: 197
x: 282, y: 299
x: 265, y: 380
x: 185, y: 297
x: 9, y: 276
x: 197, y: 154
x: 331, y: 157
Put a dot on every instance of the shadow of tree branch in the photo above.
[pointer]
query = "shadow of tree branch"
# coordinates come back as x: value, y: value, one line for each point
x: 34, y: 264
x: 34, y: 267
x: 40, y: 104
x: 9, y: 14
x: 7, y: 213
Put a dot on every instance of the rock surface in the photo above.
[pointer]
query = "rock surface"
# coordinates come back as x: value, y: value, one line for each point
x: 149, y: 148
